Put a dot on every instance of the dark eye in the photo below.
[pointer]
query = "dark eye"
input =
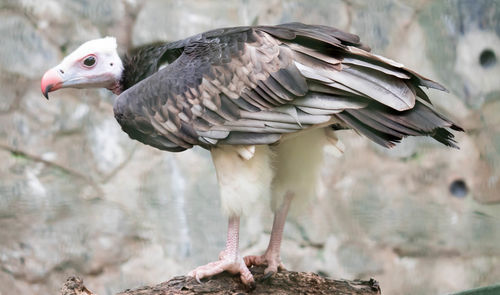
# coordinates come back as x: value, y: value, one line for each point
x: 89, y: 61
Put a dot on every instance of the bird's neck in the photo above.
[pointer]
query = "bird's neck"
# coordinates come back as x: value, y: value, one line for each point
x: 141, y: 64
x: 117, y: 87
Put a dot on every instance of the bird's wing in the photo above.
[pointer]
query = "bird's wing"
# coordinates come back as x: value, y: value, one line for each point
x: 250, y: 85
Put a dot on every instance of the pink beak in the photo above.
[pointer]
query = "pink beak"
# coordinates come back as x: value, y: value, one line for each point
x: 51, y: 81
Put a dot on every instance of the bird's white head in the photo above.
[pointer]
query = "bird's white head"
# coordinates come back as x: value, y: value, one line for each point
x: 95, y: 64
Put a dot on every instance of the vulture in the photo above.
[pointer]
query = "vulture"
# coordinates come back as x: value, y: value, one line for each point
x: 265, y: 101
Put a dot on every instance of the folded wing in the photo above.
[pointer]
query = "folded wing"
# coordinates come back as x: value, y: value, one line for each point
x: 251, y: 85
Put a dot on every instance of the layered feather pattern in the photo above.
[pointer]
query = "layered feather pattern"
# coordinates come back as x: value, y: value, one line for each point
x: 252, y: 85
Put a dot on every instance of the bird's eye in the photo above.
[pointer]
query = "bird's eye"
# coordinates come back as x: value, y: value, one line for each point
x: 89, y: 61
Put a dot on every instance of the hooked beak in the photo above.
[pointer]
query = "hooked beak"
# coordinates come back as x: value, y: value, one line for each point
x: 51, y: 81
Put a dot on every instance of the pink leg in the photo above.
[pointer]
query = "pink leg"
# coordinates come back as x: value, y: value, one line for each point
x: 271, y: 257
x: 230, y: 259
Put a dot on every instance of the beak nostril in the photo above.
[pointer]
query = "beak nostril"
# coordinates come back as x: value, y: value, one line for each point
x: 61, y: 71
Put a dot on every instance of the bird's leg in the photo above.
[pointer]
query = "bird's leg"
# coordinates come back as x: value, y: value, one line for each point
x: 230, y: 259
x: 271, y: 257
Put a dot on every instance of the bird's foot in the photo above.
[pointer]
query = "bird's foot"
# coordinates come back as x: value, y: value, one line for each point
x: 230, y: 263
x: 272, y: 261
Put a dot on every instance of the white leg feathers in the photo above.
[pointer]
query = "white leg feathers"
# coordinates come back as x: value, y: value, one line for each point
x: 246, y: 151
x: 336, y: 147
x: 298, y: 162
x: 244, y: 174
x: 249, y: 173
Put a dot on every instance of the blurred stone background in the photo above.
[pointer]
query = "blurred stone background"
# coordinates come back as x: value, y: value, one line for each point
x: 77, y: 196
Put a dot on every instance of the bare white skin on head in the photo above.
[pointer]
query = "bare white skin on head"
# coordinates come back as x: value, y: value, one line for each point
x: 78, y: 71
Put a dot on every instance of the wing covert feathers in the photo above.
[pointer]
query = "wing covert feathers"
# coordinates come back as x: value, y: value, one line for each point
x: 251, y: 85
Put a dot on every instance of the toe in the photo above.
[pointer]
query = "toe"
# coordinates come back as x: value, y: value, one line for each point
x: 192, y: 273
x: 207, y: 270
x: 247, y: 278
x: 271, y: 269
x: 251, y: 286
x: 250, y: 260
x: 231, y: 266
x: 254, y: 260
x: 267, y: 275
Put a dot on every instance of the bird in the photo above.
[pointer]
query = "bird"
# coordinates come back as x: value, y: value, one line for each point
x: 265, y: 101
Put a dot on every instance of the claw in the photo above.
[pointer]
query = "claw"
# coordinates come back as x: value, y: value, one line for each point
x: 194, y: 275
x: 267, y: 275
x: 272, y: 262
x: 251, y: 286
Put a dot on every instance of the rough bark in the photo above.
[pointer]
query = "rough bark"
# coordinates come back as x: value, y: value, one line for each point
x: 284, y: 282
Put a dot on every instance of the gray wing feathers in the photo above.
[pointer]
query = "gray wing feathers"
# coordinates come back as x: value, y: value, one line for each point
x: 250, y: 85
x: 386, y: 89
x: 386, y: 70
x: 329, y: 102
x: 423, y: 81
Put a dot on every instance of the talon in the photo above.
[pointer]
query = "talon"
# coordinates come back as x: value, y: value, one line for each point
x: 251, y: 286
x: 267, y: 275
x: 272, y: 262
x: 228, y: 264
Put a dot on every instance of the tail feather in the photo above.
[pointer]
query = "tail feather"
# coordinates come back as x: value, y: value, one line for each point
x: 445, y: 137
x: 387, y: 127
x: 381, y: 138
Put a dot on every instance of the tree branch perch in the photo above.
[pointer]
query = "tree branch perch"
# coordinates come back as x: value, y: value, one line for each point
x: 284, y: 282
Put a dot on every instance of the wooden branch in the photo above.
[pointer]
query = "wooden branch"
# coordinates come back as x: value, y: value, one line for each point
x: 74, y: 286
x: 284, y: 282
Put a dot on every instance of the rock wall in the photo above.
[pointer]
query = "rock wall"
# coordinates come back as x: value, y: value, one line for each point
x: 77, y: 196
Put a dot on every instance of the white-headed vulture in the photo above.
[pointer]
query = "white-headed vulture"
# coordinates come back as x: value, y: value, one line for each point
x: 264, y: 100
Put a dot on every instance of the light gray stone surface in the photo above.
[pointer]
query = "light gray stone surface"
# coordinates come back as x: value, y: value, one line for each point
x: 77, y: 196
